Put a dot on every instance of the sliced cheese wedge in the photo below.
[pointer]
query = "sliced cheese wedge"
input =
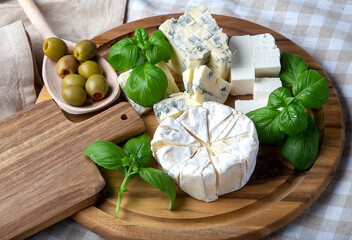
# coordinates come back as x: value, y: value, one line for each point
x: 218, y: 166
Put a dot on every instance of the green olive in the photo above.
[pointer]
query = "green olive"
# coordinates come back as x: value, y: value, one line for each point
x: 88, y: 68
x: 97, y: 86
x: 74, y: 95
x: 66, y: 65
x: 74, y: 79
x: 84, y: 50
x: 54, y: 48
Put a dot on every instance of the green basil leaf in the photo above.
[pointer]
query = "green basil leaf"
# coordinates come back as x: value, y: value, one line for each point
x: 302, y: 149
x: 289, y: 100
x: 159, y: 49
x: 293, y: 118
x: 141, y: 35
x: 266, y: 123
x: 144, y: 45
x: 124, y: 54
x: 140, y: 147
x: 311, y: 89
x: 146, y: 85
x: 105, y: 154
x: 160, y: 180
x: 291, y: 67
x: 277, y: 98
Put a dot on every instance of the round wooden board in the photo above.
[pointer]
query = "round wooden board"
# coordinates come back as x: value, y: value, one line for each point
x: 275, y: 195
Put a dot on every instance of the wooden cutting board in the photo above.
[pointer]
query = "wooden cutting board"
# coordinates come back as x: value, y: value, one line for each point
x: 43, y: 175
x: 275, y: 195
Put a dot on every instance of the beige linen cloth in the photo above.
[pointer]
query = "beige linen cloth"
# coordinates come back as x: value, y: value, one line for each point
x: 71, y: 20
x: 17, y: 70
x: 322, y: 27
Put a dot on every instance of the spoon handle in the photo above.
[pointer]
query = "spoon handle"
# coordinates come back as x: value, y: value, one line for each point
x: 36, y: 17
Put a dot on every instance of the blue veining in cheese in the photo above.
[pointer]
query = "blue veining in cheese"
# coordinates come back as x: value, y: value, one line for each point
x: 193, y: 38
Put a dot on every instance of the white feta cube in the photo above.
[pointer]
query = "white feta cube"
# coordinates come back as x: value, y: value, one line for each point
x: 264, y: 86
x: 267, y: 67
x: 242, y: 81
x: 246, y: 106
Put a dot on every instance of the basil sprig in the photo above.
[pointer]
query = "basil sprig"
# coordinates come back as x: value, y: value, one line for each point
x: 285, y: 120
x: 147, y: 84
x: 132, y: 160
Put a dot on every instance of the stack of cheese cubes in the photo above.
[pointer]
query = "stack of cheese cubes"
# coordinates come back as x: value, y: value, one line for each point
x: 255, y: 69
x: 201, y: 85
x: 197, y: 40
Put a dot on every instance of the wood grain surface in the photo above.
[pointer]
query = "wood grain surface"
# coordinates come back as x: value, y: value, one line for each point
x: 275, y: 195
x: 44, y: 177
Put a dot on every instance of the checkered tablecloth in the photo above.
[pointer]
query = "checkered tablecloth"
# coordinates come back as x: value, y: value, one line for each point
x: 324, y: 29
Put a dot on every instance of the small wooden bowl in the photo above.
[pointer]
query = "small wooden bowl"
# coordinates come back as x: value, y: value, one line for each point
x: 54, y: 85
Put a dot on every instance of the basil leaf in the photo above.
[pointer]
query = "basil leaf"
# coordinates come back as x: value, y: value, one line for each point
x: 146, y: 85
x: 266, y: 123
x: 160, y: 180
x: 105, y: 154
x: 291, y: 67
x: 293, y: 118
x: 311, y: 89
x: 278, y: 97
x: 141, y: 35
x: 124, y: 54
x: 159, y: 50
x: 140, y: 147
x: 302, y: 149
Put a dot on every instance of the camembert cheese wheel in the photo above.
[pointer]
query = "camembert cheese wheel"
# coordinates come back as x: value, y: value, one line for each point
x: 209, y: 150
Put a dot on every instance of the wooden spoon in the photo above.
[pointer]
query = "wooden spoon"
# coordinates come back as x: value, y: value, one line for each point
x: 53, y: 82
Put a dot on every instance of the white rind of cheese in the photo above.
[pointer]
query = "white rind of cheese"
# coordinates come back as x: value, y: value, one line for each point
x: 195, y: 121
x: 171, y: 132
x: 264, y: 86
x: 205, y: 85
x: 198, y: 178
x: 246, y: 106
x: 171, y: 157
x: 218, y: 119
x: 173, y: 106
x: 209, y: 169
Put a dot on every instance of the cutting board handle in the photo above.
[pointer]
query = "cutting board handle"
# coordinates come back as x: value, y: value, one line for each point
x: 121, y: 117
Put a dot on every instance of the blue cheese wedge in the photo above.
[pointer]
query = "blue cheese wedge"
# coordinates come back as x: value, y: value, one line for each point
x: 197, y: 40
x: 219, y: 39
x: 173, y: 106
x: 196, y: 12
x: 220, y: 61
x: 205, y: 85
x: 205, y: 166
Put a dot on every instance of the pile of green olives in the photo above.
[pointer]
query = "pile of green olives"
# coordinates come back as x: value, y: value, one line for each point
x: 80, y: 74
